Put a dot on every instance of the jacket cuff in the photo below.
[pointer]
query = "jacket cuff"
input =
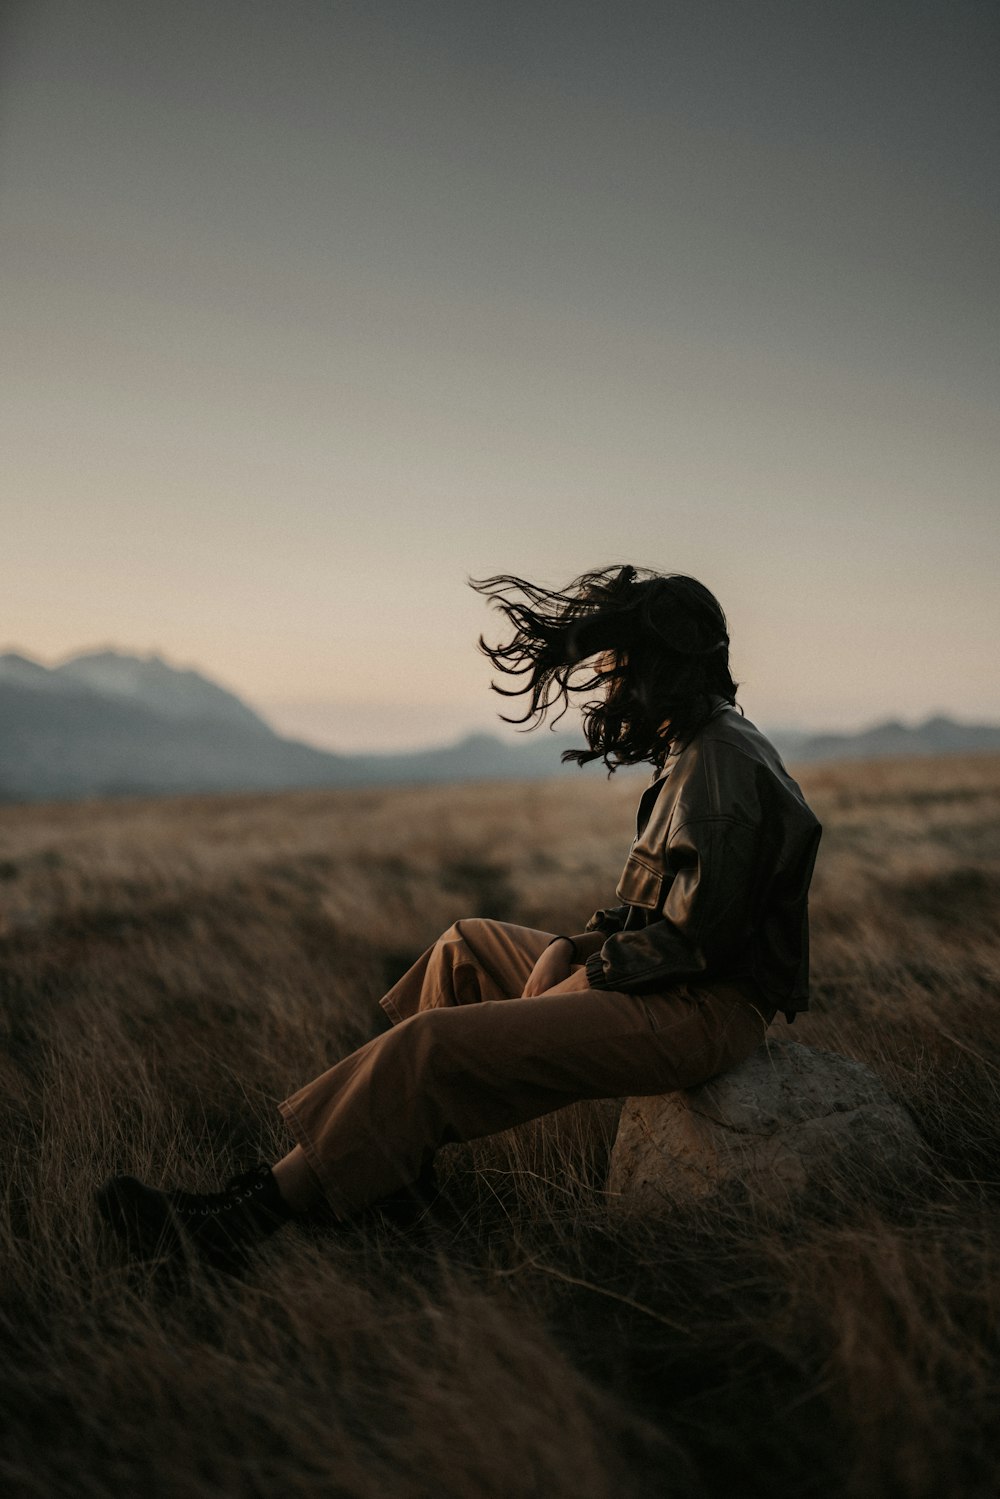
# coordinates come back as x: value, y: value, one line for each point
x: 594, y: 970
x: 607, y: 921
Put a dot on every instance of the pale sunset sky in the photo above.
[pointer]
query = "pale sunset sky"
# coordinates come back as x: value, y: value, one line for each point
x: 310, y: 310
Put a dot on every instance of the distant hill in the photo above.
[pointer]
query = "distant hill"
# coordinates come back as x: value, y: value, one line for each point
x: 935, y: 736
x: 150, y: 682
x: 110, y: 724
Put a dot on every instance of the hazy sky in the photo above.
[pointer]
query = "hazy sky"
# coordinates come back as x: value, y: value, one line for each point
x: 311, y: 310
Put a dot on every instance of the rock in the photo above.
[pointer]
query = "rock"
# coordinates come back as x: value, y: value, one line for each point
x: 788, y: 1123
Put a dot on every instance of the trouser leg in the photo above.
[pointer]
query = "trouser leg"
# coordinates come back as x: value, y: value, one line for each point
x: 458, y: 1070
x: 474, y: 959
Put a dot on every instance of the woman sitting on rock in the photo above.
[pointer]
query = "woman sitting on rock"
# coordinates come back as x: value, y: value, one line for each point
x: 495, y: 1023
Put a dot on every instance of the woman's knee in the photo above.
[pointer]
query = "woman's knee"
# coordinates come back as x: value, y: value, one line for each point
x: 474, y: 931
x: 472, y: 928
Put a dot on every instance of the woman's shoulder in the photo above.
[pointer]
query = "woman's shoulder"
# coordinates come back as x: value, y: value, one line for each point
x: 729, y: 769
x: 734, y: 746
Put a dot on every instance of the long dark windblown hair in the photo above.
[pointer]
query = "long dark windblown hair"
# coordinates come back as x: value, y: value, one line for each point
x: 662, y: 644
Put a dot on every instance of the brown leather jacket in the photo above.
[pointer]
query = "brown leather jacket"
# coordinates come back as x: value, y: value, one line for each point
x: 716, y: 881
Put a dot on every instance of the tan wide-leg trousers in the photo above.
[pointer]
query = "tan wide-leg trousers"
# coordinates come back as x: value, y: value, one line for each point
x: 467, y: 1056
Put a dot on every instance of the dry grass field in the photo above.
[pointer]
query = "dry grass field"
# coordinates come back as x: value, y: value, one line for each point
x: 171, y: 968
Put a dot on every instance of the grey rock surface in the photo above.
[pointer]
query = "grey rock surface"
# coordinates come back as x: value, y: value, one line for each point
x: 789, y: 1121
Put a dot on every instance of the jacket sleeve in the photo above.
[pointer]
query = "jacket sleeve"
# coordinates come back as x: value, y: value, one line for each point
x: 610, y: 920
x: 705, y: 917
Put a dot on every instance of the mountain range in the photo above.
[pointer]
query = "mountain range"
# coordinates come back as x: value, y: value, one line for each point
x: 108, y: 723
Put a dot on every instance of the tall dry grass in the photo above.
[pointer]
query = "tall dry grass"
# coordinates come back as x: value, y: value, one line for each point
x: 170, y: 969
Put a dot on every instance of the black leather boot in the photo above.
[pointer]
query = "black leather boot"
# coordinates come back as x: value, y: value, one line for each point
x: 412, y: 1204
x: 222, y: 1228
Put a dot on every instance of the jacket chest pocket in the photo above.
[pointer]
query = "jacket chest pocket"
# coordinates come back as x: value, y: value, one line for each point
x: 641, y: 883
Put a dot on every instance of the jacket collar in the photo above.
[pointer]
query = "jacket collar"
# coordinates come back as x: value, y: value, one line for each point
x: 716, y: 704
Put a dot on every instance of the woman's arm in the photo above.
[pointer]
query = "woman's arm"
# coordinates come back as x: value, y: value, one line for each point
x: 554, y: 966
x: 559, y: 961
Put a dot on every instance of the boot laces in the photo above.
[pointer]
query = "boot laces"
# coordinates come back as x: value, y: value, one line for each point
x: 237, y: 1191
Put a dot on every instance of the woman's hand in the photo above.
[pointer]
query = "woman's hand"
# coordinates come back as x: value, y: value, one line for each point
x: 554, y: 967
